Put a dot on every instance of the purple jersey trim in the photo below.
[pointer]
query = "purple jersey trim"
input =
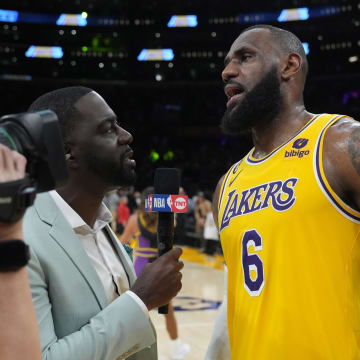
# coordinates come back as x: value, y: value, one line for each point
x: 334, y: 202
x: 255, y: 162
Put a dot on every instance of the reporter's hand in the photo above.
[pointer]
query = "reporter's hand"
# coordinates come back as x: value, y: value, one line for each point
x: 12, y: 164
x: 12, y: 167
x: 160, y: 281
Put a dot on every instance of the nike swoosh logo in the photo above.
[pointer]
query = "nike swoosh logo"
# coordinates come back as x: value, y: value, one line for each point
x: 231, y: 182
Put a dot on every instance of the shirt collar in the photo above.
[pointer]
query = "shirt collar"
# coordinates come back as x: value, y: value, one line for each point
x: 74, y: 219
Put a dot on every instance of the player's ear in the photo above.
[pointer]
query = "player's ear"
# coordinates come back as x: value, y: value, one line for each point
x: 290, y: 66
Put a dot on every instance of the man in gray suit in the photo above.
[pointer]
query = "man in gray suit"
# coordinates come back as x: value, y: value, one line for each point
x: 88, y: 302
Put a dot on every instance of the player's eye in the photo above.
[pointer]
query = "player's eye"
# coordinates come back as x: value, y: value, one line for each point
x: 245, y: 57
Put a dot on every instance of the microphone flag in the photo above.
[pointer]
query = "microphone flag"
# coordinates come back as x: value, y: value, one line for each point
x: 166, y: 203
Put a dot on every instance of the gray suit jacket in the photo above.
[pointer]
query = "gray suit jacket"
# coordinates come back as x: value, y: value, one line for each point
x: 75, y: 320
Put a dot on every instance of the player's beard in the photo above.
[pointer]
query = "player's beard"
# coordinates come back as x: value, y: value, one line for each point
x: 115, y: 173
x: 258, y: 106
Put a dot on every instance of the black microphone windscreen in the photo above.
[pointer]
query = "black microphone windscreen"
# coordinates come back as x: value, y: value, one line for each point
x: 166, y: 181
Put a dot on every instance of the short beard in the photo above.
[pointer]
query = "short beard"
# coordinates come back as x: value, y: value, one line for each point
x: 260, y: 105
x: 115, y: 174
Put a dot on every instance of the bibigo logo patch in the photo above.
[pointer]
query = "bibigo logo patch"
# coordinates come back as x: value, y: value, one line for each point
x: 298, y: 144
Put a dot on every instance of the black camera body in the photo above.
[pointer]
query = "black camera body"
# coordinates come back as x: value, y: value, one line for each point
x: 37, y: 136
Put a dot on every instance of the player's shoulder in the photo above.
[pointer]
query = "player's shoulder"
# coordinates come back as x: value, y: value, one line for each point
x: 344, y: 128
x: 341, y: 136
x: 341, y: 154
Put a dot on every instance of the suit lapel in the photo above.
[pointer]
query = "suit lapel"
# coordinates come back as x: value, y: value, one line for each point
x: 64, y: 236
x: 123, y: 255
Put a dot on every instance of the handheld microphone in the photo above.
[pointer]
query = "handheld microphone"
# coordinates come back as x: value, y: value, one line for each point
x: 166, y: 181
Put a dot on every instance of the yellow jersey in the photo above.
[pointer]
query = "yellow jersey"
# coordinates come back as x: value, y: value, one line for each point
x: 293, y: 255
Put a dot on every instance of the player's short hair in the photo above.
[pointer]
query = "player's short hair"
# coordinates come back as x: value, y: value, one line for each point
x: 62, y: 102
x: 287, y: 41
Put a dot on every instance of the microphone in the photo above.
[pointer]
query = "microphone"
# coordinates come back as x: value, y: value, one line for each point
x: 166, y: 181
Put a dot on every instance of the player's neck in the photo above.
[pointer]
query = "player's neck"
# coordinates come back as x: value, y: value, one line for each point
x: 268, y: 137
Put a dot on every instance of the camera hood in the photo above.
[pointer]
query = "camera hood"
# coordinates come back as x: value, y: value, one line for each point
x: 37, y: 136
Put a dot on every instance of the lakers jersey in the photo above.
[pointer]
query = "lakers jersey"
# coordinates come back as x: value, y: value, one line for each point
x: 293, y: 255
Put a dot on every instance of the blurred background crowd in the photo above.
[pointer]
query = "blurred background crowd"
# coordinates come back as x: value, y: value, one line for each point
x: 196, y: 228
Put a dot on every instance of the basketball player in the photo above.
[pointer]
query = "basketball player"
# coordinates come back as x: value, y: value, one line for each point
x: 288, y: 212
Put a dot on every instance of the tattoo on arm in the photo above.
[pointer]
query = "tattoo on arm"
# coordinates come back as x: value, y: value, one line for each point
x: 354, y: 149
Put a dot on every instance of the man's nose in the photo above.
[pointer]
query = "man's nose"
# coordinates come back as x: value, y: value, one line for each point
x: 125, y: 137
x: 229, y: 72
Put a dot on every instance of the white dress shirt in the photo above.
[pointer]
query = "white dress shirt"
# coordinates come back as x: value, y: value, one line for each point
x: 96, y: 245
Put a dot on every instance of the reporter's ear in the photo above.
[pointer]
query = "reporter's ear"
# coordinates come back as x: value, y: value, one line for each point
x: 71, y: 161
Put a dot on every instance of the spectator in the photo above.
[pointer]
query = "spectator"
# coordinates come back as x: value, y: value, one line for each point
x: 123, y: 213
x: 202, y: 208
x: 211, y: 235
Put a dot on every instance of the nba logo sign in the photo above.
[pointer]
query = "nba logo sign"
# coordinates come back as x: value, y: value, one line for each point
x: 149, y: 202
x: 166, y: 203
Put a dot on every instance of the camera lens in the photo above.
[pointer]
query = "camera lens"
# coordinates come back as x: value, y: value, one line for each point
x: 7, y: 140
x: 13, y: 135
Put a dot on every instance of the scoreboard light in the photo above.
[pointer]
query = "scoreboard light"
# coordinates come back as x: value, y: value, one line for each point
x: 72, y: 20
x: 183, y: 21
x: 156, y: 55
x: 9, y: 16
x: 50, y: 52
x: 294, y: 14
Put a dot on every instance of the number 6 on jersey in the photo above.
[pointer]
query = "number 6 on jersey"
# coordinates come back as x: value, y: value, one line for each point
x: 252, y: 262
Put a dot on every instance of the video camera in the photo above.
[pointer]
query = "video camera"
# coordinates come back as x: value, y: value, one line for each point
x: 36, y: 136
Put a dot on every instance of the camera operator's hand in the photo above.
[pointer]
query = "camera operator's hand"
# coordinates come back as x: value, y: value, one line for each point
x: 12, y: 167
x: 17, y: 314
x: 12, y: 164
x: 160, y: 281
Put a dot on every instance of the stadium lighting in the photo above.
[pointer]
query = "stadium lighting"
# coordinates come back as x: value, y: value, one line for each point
x: 183, y: 21
x: 52, y: 52
x: 156, y: 55
x: 306, y: 47
x: 9, y: 16
x: 294, y: 14
x: 154, y: 156
x: 71, y: 20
